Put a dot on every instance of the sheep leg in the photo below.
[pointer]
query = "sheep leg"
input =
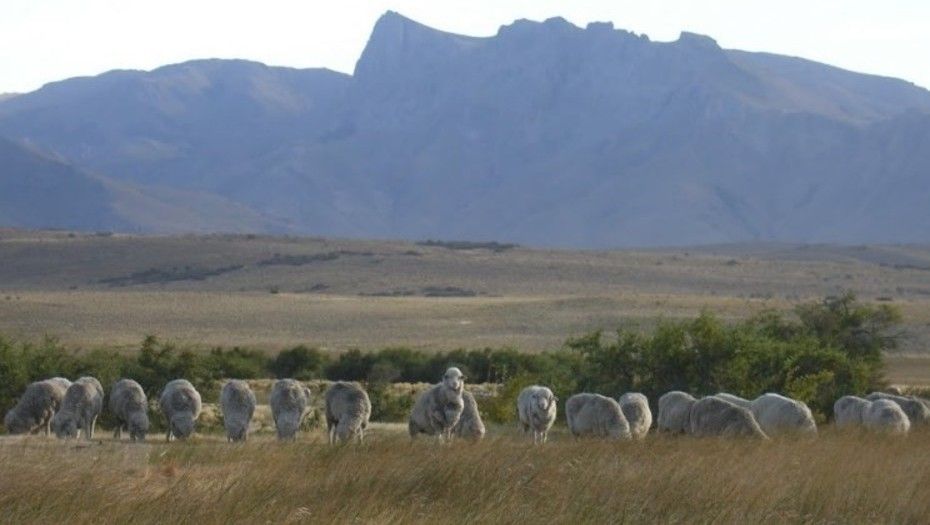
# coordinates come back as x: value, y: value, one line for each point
x: 168, y: 435
x: 93, y: 427
x: 118, y: 431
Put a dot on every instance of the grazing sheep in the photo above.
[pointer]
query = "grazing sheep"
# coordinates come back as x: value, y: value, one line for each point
x: 82, y: 404
x: 64, y: 382
x: 736, y: 400
x: 238, y: 404
x: 470, y: 425
x: 780, y: 415
x: 596, y: 415
x: 129, y: 407
x: 635, y: 408
x: 289, y: 401
x: 180, y: 402
x: 35, y: 408
x: 675, y: 412
x: 849, y: 411
x: 916, y: 409
x: 713, y: 416
x: 438, y: 409
x: 885, y: 415
x: 347, y: 411
x: 536, y: 408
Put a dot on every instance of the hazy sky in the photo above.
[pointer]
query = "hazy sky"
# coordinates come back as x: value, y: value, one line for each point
x: 45, y: 40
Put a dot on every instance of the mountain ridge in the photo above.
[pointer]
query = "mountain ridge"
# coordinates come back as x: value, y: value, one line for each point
x: 544, y: 133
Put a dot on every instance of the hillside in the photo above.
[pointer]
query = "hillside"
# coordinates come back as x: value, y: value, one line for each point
x: 545, y: 134
x: 39, y: 191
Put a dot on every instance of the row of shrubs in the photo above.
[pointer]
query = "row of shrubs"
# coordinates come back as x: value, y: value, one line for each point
x: 821, y: 352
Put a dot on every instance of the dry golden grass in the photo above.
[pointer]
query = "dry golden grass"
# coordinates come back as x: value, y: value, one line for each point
x: 833, y: 479
x: 56, y: 283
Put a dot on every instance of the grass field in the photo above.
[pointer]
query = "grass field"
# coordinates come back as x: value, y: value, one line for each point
x: 836, y: 478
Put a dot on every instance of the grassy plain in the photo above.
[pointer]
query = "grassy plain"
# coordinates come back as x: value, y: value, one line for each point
x: 836, y: 478
x: 273, y: 292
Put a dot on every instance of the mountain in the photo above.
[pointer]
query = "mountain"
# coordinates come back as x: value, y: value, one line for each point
x: 545, y: 134
x: 40, y: 191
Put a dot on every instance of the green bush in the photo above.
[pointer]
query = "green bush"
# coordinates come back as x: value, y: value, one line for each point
x: 299, y: 363
x: 833, y: 348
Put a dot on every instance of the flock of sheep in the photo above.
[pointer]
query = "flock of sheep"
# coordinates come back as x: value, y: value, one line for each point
x: 444, y: 410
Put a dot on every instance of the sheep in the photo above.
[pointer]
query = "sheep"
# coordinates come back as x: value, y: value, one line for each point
x: 238, y: 404
x: 347, y: 411
x: 64, y: 382
x: 736, y: 400
x: 849, y: 411
x: 470, y: 425
x: 289, y: 401
x: 129, y: 407
x: 884, y: 415
x: 675, y: 412
x: 82, y: 404
x: 536, y: 408
x: 635, y: 408
x: 916, y: 409
x: 180, y: 402
x: 35, y: 408
x: 596, y: 415
x: 714, y: 416
x: 778, y: 414
x: 439, y: 408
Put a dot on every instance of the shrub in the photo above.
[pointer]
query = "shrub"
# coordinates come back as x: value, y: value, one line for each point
x: 299, y: 362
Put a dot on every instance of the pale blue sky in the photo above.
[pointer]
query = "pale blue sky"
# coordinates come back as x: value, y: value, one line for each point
x: 45, y: 40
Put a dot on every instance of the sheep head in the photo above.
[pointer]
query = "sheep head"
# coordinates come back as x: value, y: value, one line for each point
x: 453, y: 379
x: 138, y: 425
x: 14, y: 424
x: 64, y: 425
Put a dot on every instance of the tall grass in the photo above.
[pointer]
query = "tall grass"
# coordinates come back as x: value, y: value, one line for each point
x: 837, y: 478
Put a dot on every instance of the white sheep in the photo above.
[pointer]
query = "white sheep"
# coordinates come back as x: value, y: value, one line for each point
x: 884, y: 415
x: 79, y: 410
x: 596, y: 415
x: 35, y: 408
x: 129, y: 407
x: 289, y: 401
x: 849, y: 411
x: 635, y: 408
x: 469, y: 425
x: 917, y: 410
x: 347, y: 411
x: 736, y: 400
x: 438, y: 409
x: 675, y: 412
x: 536, y: 409
x: 714, y: 416
x: 181, y: 404
x: 237, y: 402
x: 62, y: 381
x: 778, y: 414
